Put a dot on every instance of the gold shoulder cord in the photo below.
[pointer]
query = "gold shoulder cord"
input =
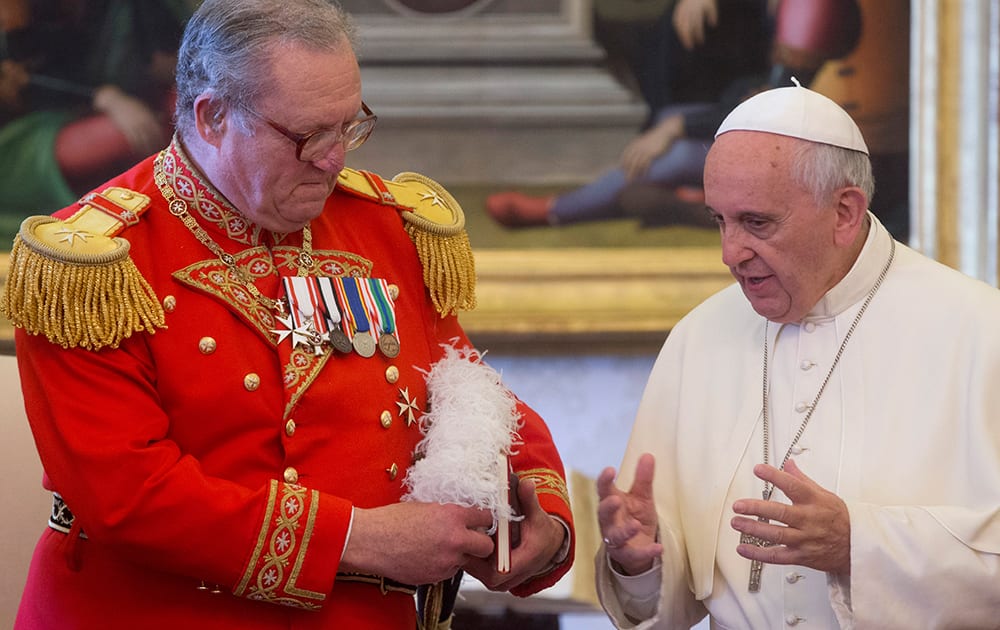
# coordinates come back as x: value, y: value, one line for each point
x: 74, y: 282
x: 437, y: 228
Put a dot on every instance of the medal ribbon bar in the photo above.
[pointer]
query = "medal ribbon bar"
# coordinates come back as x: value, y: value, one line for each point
x: 330, y: 306
x: 386, y: 308
x: 319, y: 317
x: 349, y: 324
x: 364, y: 342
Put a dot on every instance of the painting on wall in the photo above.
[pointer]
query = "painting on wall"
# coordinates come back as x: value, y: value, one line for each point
x: 525, y: 109
x: 525, y: 113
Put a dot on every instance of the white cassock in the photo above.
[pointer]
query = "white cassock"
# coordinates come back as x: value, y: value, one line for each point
x: 907, y: 433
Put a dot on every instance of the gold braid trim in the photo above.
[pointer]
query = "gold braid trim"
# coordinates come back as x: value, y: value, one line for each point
x: 432, y: 607
x: 547, y: 481
x: 92, y: 299
x: 437, y: 228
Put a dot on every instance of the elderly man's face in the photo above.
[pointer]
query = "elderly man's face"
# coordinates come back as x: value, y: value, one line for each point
x: 777, y: 243
x: 259, y: 173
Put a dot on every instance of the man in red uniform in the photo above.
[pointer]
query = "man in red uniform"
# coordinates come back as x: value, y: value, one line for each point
x: 223, y: 355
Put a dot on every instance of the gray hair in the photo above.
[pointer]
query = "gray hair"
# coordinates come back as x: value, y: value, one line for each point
x: 227, y: 47
x: 823, y: 168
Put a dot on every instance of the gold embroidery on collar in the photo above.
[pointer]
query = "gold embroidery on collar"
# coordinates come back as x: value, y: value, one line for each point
x: 206, y: 203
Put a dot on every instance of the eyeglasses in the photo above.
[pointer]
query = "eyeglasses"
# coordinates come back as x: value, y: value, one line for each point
x: 317, y: 144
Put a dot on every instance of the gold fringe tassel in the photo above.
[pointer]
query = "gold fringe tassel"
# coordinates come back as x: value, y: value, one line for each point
x: 77, y: 304
x: 449, y: 268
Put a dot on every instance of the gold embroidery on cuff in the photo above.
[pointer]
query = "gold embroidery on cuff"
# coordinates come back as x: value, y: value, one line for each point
x: 547, y: 481
x: 283, y: 535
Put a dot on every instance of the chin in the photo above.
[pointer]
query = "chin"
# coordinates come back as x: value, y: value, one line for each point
x: 777, y: 314
x: 301, y: 212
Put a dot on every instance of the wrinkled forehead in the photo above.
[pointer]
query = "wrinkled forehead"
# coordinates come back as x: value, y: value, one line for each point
x: 737, y: 152
x: 751, y: 170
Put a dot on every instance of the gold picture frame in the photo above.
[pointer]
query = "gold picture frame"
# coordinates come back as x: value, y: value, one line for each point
x: 597, y: 298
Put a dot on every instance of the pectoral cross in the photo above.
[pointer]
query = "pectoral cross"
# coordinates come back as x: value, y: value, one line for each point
x: 756, y: 566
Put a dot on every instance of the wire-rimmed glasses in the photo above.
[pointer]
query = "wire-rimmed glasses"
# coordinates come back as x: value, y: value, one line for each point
x: 317, y: 144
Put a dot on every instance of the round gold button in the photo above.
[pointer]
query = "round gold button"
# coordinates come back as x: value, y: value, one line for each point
x: 291, y: 475
x: 386, y: 419
x: 251, y: 381
x: 169, y: 303
x: 393, y: 291
x: 207, y: 345
x: 290, y: 428
x: 392, y: 374
x: 392, y: 471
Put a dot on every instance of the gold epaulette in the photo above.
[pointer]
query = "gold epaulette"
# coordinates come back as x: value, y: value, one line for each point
x: 73, y: 281
x: 436, y: 224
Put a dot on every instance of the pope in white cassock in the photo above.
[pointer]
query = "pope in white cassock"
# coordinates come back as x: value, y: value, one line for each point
x: 818, y: 445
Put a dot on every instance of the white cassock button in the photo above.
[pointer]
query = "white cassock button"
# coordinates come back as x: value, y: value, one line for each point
x: 793, y: 620
x: 806, y: 365
x: 798, y: 450
x: 793, y: 577
x: 809, y: 327
x: 801, y: 406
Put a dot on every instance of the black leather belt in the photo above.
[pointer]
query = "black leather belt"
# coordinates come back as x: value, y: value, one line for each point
x: 61, y: 520
x: 384, y: 584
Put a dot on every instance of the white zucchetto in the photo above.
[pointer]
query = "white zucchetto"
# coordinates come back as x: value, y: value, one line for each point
x: 797, y: 112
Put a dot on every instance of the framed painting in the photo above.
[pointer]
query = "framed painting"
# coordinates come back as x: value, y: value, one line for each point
x: 492, y: 95
x: 497, y: 95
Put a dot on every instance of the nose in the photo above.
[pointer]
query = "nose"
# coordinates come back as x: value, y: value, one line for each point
x: 735, y: 250
x: 333, y: 161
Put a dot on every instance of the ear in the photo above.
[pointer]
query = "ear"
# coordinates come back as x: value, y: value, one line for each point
x: 210, y: 118
x: 852, y: 208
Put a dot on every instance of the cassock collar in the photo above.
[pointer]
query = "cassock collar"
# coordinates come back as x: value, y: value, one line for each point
x: 860, y: 279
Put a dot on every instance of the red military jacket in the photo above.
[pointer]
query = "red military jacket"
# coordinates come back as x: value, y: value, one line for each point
x: 208, y: 464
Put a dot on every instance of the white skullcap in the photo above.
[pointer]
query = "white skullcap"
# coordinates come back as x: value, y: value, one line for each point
x: 797, y: 112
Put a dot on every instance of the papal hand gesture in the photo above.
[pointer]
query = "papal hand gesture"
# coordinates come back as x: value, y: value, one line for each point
x: 628, y: 519
x: 814, y: 531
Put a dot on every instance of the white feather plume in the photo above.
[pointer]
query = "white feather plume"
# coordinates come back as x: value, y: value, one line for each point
x: 472, y: 420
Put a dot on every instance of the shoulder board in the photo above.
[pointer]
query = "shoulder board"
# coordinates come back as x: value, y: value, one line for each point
x: 110, y: 211
x: 64, y: 274
x: 435, y: 223
x: 420, y: 199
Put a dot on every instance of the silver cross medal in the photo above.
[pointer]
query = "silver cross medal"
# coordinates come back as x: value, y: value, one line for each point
x: 756, y: 566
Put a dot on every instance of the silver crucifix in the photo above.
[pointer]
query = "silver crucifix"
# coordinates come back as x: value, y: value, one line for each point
x: 756, y: 566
